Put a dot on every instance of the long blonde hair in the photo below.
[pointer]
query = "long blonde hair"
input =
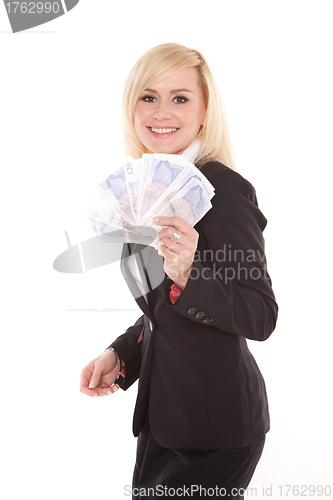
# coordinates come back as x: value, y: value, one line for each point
x: 159, y: 63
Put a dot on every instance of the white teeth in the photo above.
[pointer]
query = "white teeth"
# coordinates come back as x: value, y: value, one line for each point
x: 163, y: 130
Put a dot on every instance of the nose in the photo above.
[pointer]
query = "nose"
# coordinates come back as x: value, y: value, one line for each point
x: 162, y: 111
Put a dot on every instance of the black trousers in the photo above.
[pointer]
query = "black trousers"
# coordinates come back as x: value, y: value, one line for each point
x: 215, y: 474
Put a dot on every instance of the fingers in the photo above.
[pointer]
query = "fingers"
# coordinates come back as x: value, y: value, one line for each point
x: 99, y: 391
x: 103, y: 389
x: 174, y: 254
x: 174, y: 248
x: 186, y: 245
x: 176, y: 222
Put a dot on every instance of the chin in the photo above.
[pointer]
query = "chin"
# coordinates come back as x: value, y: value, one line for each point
x: 164, y: 149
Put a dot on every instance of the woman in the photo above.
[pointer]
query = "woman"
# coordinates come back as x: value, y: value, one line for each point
x: 201, y: 412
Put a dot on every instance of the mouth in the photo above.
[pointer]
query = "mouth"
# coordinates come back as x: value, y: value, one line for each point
x: 163, y: 132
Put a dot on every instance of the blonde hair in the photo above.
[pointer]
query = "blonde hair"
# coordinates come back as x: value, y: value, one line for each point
x: 159, y: 63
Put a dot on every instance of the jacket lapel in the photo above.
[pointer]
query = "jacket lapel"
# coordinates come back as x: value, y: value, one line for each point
x: 130, y: 252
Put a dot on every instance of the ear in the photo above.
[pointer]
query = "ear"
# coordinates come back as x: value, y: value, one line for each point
x: 204, y: 118
x: 199, y: 132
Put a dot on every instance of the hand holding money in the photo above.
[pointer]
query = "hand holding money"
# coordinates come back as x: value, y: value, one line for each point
x: 154, y: 185
x: 179, y: 251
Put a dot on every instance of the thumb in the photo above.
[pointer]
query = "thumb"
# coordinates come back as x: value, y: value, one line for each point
x: 95, y: 378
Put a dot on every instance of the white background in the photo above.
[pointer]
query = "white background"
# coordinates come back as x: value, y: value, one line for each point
x: 61, y: 86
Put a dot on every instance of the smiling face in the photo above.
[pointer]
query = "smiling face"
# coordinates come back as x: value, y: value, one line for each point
x: 169, y: 114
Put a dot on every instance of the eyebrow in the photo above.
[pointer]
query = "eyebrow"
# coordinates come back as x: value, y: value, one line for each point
x: 174, y: 91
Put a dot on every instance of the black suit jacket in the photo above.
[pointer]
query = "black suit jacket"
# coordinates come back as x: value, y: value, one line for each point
x: 197, y: 377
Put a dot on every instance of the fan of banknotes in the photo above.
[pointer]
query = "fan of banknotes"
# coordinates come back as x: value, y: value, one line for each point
x: 155, y: 184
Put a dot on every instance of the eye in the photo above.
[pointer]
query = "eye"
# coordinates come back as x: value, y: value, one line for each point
x: 148, y: 98
x: 180, y: 99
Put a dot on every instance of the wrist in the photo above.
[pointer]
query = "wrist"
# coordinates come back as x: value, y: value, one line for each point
x: 118, y: 361
x: 183, y: 279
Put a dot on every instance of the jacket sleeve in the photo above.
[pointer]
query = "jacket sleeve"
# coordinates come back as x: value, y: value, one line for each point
x: 229, y: 287
x: 129, y: 350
